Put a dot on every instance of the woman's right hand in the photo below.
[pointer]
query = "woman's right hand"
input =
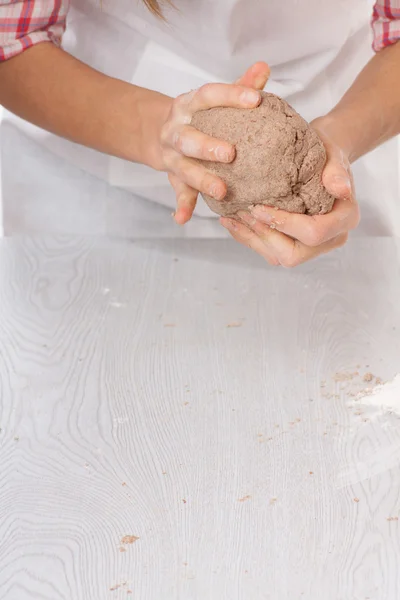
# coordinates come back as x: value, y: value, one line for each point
x: 181, y: 143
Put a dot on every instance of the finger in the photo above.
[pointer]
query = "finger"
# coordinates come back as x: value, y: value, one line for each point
x: 256, y: 77
x: 213, y: 95
x: 289, y: 252
x: 197, y: 177
x: 195, y: 144
x: 261, y: 238
x: 311, y: 230
x: 247, y: 237
x: 186, y: 199
x: 336, y: 176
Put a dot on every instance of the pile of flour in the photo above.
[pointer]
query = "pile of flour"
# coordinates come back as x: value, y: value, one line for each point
x: 384, y: 398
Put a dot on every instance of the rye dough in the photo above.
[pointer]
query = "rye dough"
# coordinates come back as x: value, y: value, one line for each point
x: 279, y: 158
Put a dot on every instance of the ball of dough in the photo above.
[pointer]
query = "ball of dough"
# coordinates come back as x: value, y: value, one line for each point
x: 279, y: 158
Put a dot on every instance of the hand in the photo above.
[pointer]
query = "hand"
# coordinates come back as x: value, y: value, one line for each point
x: 180, y: 142
x: 289, y: 239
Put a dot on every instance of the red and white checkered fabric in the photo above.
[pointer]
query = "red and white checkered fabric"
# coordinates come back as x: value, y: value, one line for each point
x: 24, y: 23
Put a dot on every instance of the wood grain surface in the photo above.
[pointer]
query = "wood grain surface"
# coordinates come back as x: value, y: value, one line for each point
x: 179, y: 422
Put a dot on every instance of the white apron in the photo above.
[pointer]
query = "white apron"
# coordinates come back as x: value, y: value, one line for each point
x: 314, y: 47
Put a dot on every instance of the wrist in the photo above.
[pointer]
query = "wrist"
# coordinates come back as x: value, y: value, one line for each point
x: 335, y: 127
x: 153, y: 111
x: 132, y: 119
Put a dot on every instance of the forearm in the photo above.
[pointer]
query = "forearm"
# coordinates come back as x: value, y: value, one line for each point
x: 369, y: 113
x: 50, y: 88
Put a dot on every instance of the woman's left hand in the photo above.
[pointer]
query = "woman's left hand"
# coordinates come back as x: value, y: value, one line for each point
x: 289, y: 239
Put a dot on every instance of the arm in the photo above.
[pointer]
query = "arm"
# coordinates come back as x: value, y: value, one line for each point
x: 50, y: 88
x: 369, y: 113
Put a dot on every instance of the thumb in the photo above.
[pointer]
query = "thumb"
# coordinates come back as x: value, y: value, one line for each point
x: 256, y: 77
x: 336, y: 177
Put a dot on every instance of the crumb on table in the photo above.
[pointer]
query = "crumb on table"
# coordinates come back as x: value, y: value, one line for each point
x: 129, y: 539
x: 244, y: 499
x: 368, y: 377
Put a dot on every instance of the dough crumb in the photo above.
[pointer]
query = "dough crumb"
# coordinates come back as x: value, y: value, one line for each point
x: 368, y: 377
x: 346, y: 376
x: 244, y: 499
x: 129, y: 539
x: 118, y: 586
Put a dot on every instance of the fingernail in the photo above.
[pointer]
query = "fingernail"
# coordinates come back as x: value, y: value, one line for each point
x: 342, y: 180
x: 216, y: 192
x: 224, y: 155
x: 261, y: 81
x: 260, y: 212
x: 250, y: 97
x: 247, y: 218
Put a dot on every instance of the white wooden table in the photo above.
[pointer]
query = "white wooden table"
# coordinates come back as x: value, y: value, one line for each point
x: 182, y: 393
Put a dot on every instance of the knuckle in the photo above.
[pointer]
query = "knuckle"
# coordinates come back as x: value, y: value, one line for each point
x: 177, y: 141
x: 181, y: 107
x: 207, y: 90
x: 165, y: 133
x: 180, y: 101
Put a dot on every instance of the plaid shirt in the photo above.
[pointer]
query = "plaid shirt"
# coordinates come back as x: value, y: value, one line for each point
x: 24, y: 23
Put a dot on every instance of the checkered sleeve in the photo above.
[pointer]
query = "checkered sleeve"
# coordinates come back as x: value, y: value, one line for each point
x: 386, y: 23
x: 25, y: 23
